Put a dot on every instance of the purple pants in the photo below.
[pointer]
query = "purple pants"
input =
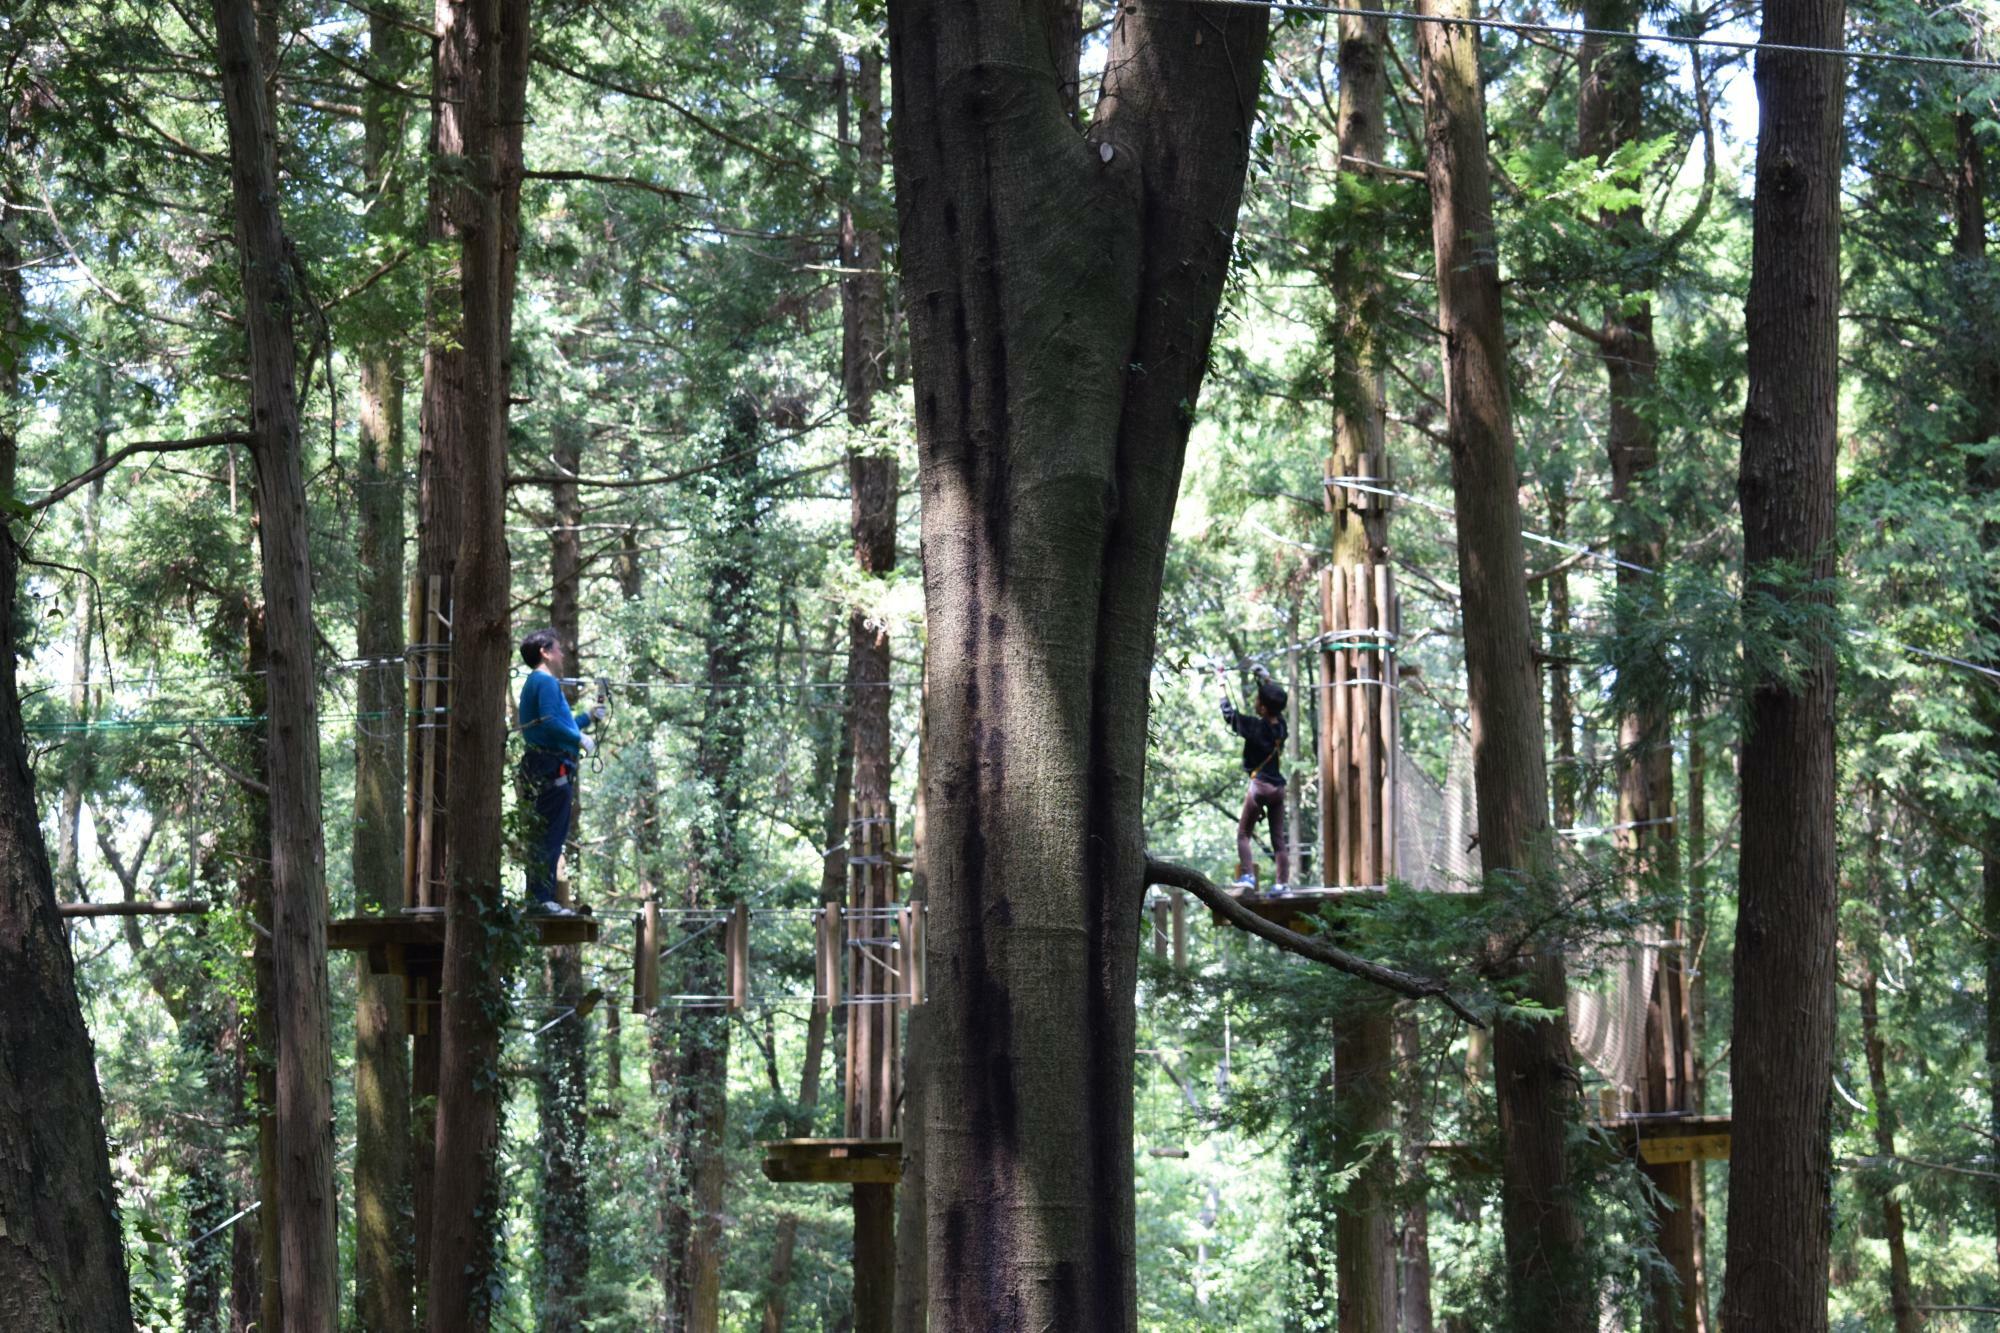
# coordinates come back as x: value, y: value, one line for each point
x: 1263, y: 799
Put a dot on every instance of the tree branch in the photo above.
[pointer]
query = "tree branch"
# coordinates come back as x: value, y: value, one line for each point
x: 1176, y: 876
x: 598, y: 178
x: 241, y: 779
x: 84, y: 478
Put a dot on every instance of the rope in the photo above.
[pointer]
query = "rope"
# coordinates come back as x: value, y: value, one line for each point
x: 1610, y: 34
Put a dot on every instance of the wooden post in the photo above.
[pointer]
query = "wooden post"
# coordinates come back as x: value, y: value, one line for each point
x: 739, y: 956
x: 830, y: 945
x: 1178, y: 900
x: 646, y: 960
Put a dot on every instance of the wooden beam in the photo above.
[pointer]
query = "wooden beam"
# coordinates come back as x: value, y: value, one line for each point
x: 834, y: 1161
x: 132, y: 909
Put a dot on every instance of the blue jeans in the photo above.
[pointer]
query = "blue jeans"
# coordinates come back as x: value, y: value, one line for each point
x: 551, y: 783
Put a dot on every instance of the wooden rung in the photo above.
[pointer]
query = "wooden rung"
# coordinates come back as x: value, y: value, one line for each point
x: 646, y: 960
x: 914, y: 915
x: 829, y: 955
x: 1178, y: 910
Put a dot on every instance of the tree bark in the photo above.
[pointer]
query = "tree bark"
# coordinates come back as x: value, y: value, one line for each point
x: 62, y: 1265
x: 76, y: 773
x: 466, y: 1188
x: 1547, y: 1276
x: 1414, y: 1271
x: 562, y: 1075
x: 1064, y: 289
x: 1780, y: 1167
x: 1364, y: 1101
x: 384, y: 1273
x: 308, y: 1257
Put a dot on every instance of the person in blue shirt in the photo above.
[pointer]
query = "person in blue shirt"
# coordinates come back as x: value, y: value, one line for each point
x: 555, y: 737
x: 1263, y: 736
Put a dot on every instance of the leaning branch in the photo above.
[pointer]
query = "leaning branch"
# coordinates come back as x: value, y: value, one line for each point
x: 620, y: 483
x: 599, y: 178
x: 134, y: 908
x: 88, y: 475
x: 1175, y: 876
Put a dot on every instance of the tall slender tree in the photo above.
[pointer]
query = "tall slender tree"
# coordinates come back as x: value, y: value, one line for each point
x: 1534, y: 1090
x: 308, y: 1259
x: 1065, y: 286
x: 1782, y: 1029
x: 384, y: 1274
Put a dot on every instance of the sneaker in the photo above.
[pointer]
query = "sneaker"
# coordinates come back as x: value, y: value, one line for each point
x: 1246, y: 880
x: 548, y: 909
x: 1282, y: 890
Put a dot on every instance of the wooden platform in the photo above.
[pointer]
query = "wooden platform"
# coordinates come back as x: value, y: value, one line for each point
x: 393, y: 939
x: 834, y: 1161
x: 1682, y: 1138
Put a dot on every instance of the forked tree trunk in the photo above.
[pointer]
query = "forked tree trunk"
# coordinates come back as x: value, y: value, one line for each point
x: 308, y: 1258
x: 384, y: 1276
x: 62, y: 1266
x: 1780, y: 1166
x: 1534, y: 1086
x: 466, y: 1188
x: 1363, y: 1061
x: 1063, y: 291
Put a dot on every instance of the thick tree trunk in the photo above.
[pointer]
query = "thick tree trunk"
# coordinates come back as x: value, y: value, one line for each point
x: 308, y: 1258
x: 384, y: 1275
x: 1064, y: 290
x: 1547, y: 1279
x: 1364, y: 1102
x: 562, y: 1075
x: 62, y: 1266
x: 1414, y: 1270
x: 466, y: 1187
x: 1780, y: 1166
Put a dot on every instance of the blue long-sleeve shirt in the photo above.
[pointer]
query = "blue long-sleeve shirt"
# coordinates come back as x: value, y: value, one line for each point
x: 547, y: 722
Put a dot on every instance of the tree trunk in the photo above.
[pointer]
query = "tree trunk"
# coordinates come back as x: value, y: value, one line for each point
x: 1610, y: 116
x: 1064, y: 290
x: 308, y: 1257
x: 562, y: 1075
x: 872, y: 476
x: 698, y: 1086
x: 1414, y: 1274
x: 1780, y: 1166
x: 62, y: 1265
x: 384, y: 1276
x: 76, y: 773
x: 832, y: 886
x: 1902, y: 1304
x: 1534, y: 1087
x: 1972, y: 277
x: 1364, y: 1102
x: 466, y: 1187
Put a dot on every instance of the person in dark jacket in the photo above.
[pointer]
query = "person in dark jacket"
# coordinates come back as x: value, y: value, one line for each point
x: 1263, y: 734
x: 555, y: 736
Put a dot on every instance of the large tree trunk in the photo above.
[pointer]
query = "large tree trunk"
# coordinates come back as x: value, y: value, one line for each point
x: 1363, y: 1083
x: 62, y: 1267
x: 1780, y: 1166
x: 465, y: 1192
x: 384, y: 1276
x: 1534, y: 1086
x: 562, y: 1075
x: 1064, y: 290
x: 308, y: 1258
x: 1902, y: 1304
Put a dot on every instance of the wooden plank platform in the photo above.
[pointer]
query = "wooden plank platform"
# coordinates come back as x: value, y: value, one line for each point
x: 834, y: 1161
x: 1682, y: 1138
x: 406, y: 930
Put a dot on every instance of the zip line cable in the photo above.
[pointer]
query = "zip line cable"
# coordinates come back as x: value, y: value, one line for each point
x: 1610, y: 34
